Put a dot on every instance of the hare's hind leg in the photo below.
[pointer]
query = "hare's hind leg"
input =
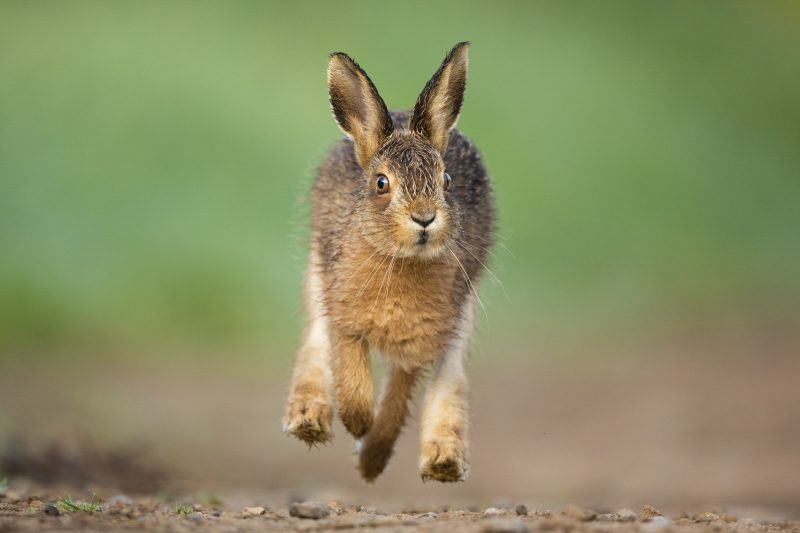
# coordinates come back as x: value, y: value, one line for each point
x: 309, y: 409
x: 445, y: 416
x: 376, y: 449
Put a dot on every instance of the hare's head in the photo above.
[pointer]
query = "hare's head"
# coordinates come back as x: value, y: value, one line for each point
x: 404, y: 206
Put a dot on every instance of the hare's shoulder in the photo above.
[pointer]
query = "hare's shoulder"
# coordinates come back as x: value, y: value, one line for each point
x: 339, y: 172
x: 332, y: 195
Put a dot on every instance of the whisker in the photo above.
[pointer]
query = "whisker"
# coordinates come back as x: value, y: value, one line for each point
x: 372, y: 274
x: 485, y: 268
x: 388, y: 285
x: 484, y: 249
x: 469, y: 281
x: 494, y: 240
x: 380, y: 289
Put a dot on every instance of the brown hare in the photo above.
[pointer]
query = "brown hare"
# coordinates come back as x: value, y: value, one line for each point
x: 403, y: 219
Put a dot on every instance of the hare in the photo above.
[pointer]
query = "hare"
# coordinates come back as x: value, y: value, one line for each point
x: 403, y: 219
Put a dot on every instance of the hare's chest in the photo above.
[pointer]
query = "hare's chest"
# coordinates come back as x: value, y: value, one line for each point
x: 406, y: 310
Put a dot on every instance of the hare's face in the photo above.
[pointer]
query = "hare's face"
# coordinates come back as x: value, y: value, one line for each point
x: 404, y: 209
x: 405, y: 202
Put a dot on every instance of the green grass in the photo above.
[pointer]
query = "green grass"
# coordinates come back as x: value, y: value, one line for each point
x: 183, y: 509
x: 152, y: 156
x: 68, y: 505
x: 3, y: 484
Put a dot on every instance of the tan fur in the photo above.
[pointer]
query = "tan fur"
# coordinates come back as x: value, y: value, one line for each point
x: 353, y: 378
x: 381, y: 279
x: 401, y: 307
x: 445, y: 416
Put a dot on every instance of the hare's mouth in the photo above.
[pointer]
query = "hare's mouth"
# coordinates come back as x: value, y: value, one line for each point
x: 423, y: 238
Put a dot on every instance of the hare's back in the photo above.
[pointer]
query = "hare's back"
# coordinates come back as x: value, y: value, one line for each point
x: 334, y: 193
x: 471, y: 190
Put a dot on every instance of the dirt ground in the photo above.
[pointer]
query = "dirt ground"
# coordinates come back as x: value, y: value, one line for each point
x: 123, y: 513
x: 175, y: 446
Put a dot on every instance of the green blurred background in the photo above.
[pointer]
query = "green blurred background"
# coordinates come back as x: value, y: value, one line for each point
x: 155, y: 160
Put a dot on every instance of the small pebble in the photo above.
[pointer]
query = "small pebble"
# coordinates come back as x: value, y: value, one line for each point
x: 253, y: 511
x: 705, y: 517
x: 309, y: 509
x: 195, y: 516
x: 429, y: 514
x: 584, y: 515
x: 626, y: 515
x: 51, y: 510
x: 648, y: 513
x: 521, y: 510
x: 493, y: 511
x: 504, y: 526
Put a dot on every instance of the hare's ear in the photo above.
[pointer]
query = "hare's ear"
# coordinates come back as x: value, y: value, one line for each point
x: 358, y: 108
x: 439, y: 103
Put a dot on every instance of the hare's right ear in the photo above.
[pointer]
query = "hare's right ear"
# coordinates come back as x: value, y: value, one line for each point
x: 358, y: 108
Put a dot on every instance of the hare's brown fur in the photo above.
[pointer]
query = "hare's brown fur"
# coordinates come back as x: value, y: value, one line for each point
x: 377, y: 280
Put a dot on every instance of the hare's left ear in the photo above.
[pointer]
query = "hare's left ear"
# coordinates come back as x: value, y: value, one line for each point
x: 440, y: 102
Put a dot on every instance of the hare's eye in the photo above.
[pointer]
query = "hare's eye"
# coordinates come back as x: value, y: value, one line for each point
x: 447, y: 180
x: 382, y: 183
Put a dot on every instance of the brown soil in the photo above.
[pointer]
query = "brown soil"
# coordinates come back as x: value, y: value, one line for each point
x: 122, y: 513
x: 703, y: 432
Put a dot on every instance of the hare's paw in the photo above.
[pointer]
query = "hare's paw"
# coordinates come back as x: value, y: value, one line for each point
x: 309, y: 418
x: 444, y: 460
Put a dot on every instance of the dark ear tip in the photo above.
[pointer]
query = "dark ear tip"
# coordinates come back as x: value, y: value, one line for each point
x: 460, y: 50
x: 340, y: 55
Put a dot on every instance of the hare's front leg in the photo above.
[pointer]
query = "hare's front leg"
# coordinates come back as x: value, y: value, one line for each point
x: 445, y: 416
x: 352, y: 376
x: 309, y: 409
x: 379, y: 442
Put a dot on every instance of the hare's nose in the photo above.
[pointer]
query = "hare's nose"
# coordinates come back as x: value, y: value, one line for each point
x: 424, y: 217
